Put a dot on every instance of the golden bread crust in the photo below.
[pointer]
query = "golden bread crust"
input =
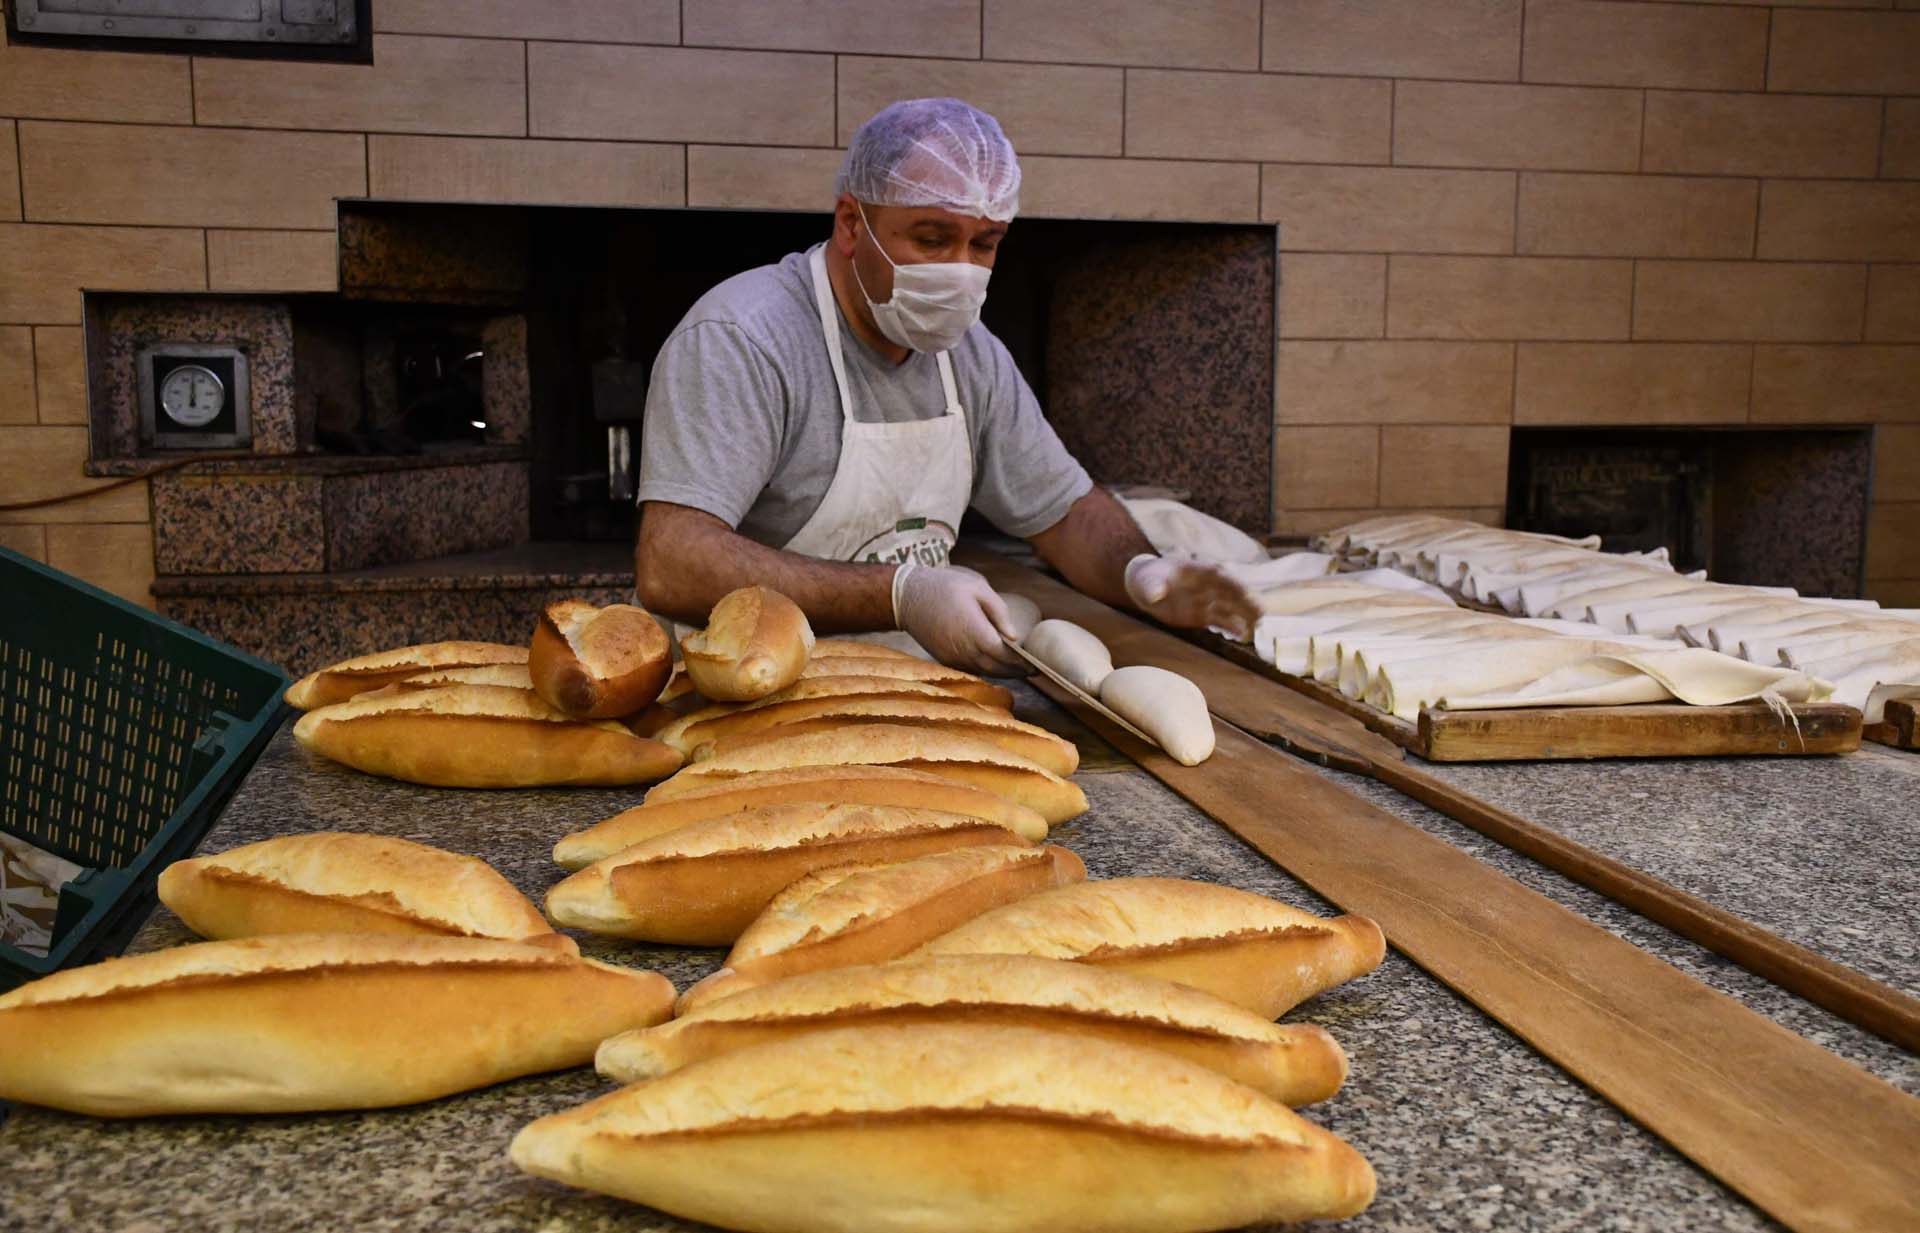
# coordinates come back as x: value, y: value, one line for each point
x: 348, y: 678
x: 598, y: 663
x: 756, y: 641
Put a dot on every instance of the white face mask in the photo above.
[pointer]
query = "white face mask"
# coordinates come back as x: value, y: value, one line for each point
x: 934, y: 303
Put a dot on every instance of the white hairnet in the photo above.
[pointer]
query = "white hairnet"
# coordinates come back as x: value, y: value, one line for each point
x: 933, y: 152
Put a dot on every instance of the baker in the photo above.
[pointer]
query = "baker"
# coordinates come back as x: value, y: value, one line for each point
x: 820, y: 425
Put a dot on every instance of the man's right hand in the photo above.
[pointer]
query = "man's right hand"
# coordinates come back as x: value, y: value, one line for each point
x: 957, y: 616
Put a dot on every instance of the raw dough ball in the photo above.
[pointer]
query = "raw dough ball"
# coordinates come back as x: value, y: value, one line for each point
x: 1025, y: 613
x: 1071, y: 651
x: 1166, y: 706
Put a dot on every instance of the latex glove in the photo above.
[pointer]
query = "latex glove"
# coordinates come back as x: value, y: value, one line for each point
x: 1191, y: 595
x: 957, y: 616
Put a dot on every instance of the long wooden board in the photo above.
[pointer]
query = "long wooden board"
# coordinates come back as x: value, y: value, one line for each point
x: 1817, y: 1143
x: 1265, y: 708
x: 1900, y: 728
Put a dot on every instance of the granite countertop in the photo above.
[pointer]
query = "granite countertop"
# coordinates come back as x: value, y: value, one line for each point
x: 534, y: 565
x: 1467, y: 1127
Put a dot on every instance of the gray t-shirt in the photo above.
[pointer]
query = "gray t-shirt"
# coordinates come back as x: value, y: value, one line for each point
x: 743, y: 415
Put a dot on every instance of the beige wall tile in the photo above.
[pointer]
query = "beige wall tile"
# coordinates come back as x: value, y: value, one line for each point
x: 1609, y: 43
x: 28, y: 541
x: 48, y: 265
x: 1893, y: 539
x: 1139, y: 188
x: 1319, y: 468
x: 1389, y: 209
x: 1636, y: 216
x: 1316, y: 521
x: 590, y: 21
x: 1508, y: 297
x: 1845, y: 53
x: 17, y: 402
x: 680, y: 94
x: 187, y: 177
x: 116, y: 557
x: 1423, y: 465
x: 1836, y: 385
x: 1761, y: 134
x: 1896, y: 463
x: 527, y: 172
x: 761, y: 177
x: 1632, y: 383
x: 1472, y: 40
x: 1394, y: 383
x: 1191, y: 34
x: 1745, y: 300
x: 1839, y: 220
x: 414, y: 85
x: 273, y: 261
x: 875, y: 27
x: 1045, y: 109
x: 60, y: 365
x: 94, y: 85
x: 1900, y: 155
x: 38, y: 462
x: 1549, y: 128
x: 1893, y: 303
x: 1258, y: 116
x: 9, y: 174
x: 1326, y: 295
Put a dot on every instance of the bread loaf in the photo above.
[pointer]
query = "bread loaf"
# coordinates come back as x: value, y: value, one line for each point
x: 965, y: 758
x: 1166, y: 706
x: 1246, y: 948
x: 335, y: 882
x: 853, y: 914
x: 351, y: 677
x: 480, y: 736
x: 1071, y: 651
x: 955, y: 715
x: 817, y: 785
x: 292, y: 1023
x: 943, y: 1129
x: 712, y: 723
x: 1295, y: 1064
x: 756, y: 641
x: 598, y: 663
x: 512, y: 676
x: 907, y: 668
x: 701, y: 884
x: 854, y: 648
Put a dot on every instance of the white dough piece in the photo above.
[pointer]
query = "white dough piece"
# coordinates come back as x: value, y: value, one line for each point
x: 1071, y: 651
x: 1025, y: 614
x: 1825, y: 644
x: 1166, y: 706
x: 1277, y: 571
x: 1175, y: 529
x: 1401, y: 688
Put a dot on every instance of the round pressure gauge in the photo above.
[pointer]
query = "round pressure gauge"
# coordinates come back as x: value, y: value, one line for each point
x: 192, y: 396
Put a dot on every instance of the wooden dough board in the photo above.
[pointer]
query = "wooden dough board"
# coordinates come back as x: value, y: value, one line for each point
x: 1900, y: 729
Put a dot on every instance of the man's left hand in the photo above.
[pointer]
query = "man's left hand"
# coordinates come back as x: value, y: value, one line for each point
x: 1191, y: 595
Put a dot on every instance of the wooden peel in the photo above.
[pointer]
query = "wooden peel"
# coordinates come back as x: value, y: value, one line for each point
x: 1272, y: 711
x: 1814, y: 1141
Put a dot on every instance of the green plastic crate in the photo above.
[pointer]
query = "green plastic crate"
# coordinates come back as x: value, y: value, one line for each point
x: 122, y: 736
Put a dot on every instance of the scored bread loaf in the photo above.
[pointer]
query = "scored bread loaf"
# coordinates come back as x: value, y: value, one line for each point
x: 598, y: 663
x: 756, y: 641
x: 818, y: 785
x: 854, y: 648
x: 955, y: 715
x: 352, y: 677
x: 512, y: 676
x: 480, y: 736
x: 295, y: 1022
x: 1253, y: 951
x: 908, y: 668
x: 338, y: 882
x: 965, y: 758
x: 712, y: 723
x: 853, y: 914
x: 1295, y: 1064
x: 951, y: 1129
x: 701, y: 884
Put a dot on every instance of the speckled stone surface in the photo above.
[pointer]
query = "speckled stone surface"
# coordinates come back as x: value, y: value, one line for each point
x: 433, y: 254
x: 315, y: 464
x: 396, y: 516
x: 123, y: 325
x: 238, y: 524
x: 1790, y: 509
x: 1181, y: 395
x: 1467, y: 1128
x: 506, y: 383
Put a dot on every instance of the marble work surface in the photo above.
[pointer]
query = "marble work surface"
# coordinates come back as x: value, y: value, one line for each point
x: 1467, y: 1127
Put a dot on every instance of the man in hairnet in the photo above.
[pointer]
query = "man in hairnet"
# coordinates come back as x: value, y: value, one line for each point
x: 819, y: 426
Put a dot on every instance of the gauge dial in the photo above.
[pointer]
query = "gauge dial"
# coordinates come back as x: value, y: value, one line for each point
x: 193, y: 396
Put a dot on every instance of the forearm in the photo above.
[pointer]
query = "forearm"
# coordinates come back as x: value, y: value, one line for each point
x: 1091, y: 546
x: 685, y: 560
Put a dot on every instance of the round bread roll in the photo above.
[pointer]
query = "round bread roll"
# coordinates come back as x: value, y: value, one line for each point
x: 1166, y: 706
x: 599, y: 663
x: 351, y: 677
x: 756, y: 641
x: 1071, y: 651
